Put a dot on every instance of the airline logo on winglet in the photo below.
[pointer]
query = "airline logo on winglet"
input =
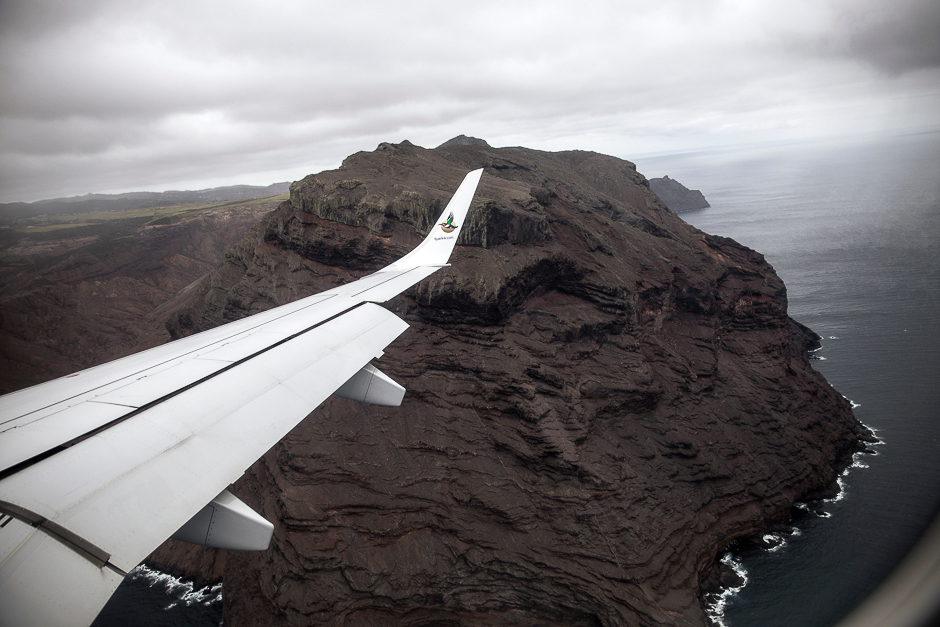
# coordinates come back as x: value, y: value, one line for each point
x: 449, y: 226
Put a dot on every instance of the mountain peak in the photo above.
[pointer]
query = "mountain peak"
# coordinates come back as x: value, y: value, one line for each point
x: 463, y: 140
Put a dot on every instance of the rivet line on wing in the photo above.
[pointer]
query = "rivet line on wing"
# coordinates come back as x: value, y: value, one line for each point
x: 180, y: 356
x: 12, y: 470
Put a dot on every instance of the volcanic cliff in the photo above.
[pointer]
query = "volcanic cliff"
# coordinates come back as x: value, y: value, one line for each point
x: 600, y: 398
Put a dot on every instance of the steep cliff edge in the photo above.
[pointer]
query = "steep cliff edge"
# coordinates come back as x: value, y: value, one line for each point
x: 600, y: 397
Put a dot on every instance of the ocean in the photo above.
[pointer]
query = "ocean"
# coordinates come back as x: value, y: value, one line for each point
x: 854, y: 231
x: 853, y: 228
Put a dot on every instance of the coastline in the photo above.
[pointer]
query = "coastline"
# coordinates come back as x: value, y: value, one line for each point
x: 729, y: 576
x: 852, y: 230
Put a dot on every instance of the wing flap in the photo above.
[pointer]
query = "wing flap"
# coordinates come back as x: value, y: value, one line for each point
x: 227, y: 523
x: 70, y: 589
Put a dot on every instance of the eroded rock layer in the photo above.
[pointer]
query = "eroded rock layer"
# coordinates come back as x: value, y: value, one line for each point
x: 600, y: 397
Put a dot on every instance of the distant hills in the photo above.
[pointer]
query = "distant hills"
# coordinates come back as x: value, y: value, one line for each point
x: 136, y: 200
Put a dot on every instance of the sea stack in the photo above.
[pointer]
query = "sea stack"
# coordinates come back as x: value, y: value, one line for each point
x: 677, y: 196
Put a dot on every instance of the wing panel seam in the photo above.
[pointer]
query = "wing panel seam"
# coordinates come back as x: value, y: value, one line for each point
x: 12, y: 470
x: 182, y: 355
x: 394, y: 276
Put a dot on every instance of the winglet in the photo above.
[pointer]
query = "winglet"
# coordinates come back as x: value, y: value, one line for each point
x: 436, y: 248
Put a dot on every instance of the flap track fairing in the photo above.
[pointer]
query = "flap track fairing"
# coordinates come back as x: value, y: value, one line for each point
x: 227, y: 523
x: 371, y: 385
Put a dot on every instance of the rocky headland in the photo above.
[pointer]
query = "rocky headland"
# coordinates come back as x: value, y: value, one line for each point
x: 677, y: 196
x: 600, y: 398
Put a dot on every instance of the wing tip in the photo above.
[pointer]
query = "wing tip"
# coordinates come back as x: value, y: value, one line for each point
x: 436, y: 248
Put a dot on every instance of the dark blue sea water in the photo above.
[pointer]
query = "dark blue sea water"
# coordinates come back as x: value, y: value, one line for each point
x: 854, y: 231
x: 149, y: 598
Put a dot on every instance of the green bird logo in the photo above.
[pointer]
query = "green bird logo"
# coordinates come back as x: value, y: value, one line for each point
x: 448, y: 226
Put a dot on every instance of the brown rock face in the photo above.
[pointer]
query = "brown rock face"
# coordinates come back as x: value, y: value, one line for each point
x: 600, y: 397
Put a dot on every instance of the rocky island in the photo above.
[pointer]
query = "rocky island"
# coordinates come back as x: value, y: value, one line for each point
x: 677, y: 196
x: 600, y: 398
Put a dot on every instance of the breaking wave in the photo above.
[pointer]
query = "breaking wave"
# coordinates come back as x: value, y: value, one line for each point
x: 179, y: 591
x: 774, y: 541
x: 715, y: 608
x: 150, y: 598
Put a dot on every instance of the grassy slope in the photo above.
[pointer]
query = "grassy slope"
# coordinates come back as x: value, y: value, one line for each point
x: 48, y: 223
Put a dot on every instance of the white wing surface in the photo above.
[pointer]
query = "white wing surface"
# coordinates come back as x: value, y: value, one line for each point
x: 97, y: 469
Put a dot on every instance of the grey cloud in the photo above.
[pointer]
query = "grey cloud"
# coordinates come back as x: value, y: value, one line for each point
x: 900, y: 37
x: 143, y: 94
x: 894, y: 37
x: 31, y: 19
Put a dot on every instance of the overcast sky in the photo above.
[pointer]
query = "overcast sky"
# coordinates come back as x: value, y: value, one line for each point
x: 102, y: 96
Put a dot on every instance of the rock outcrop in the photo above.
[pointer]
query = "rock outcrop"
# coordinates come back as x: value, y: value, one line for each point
x: 600, y: 398
x: 463, y: 140
x: 677, y: 196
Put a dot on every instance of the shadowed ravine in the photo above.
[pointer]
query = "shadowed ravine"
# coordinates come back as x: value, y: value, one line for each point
x: 600, y: 397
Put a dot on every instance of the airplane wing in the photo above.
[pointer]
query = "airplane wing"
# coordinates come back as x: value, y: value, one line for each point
x: 98, y: 468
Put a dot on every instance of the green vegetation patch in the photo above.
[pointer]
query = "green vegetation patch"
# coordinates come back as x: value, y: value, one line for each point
x: 153, y: 215
x: 45, y: 228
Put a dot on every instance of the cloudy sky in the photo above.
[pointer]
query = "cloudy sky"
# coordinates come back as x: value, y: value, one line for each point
x: 107, y: 96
